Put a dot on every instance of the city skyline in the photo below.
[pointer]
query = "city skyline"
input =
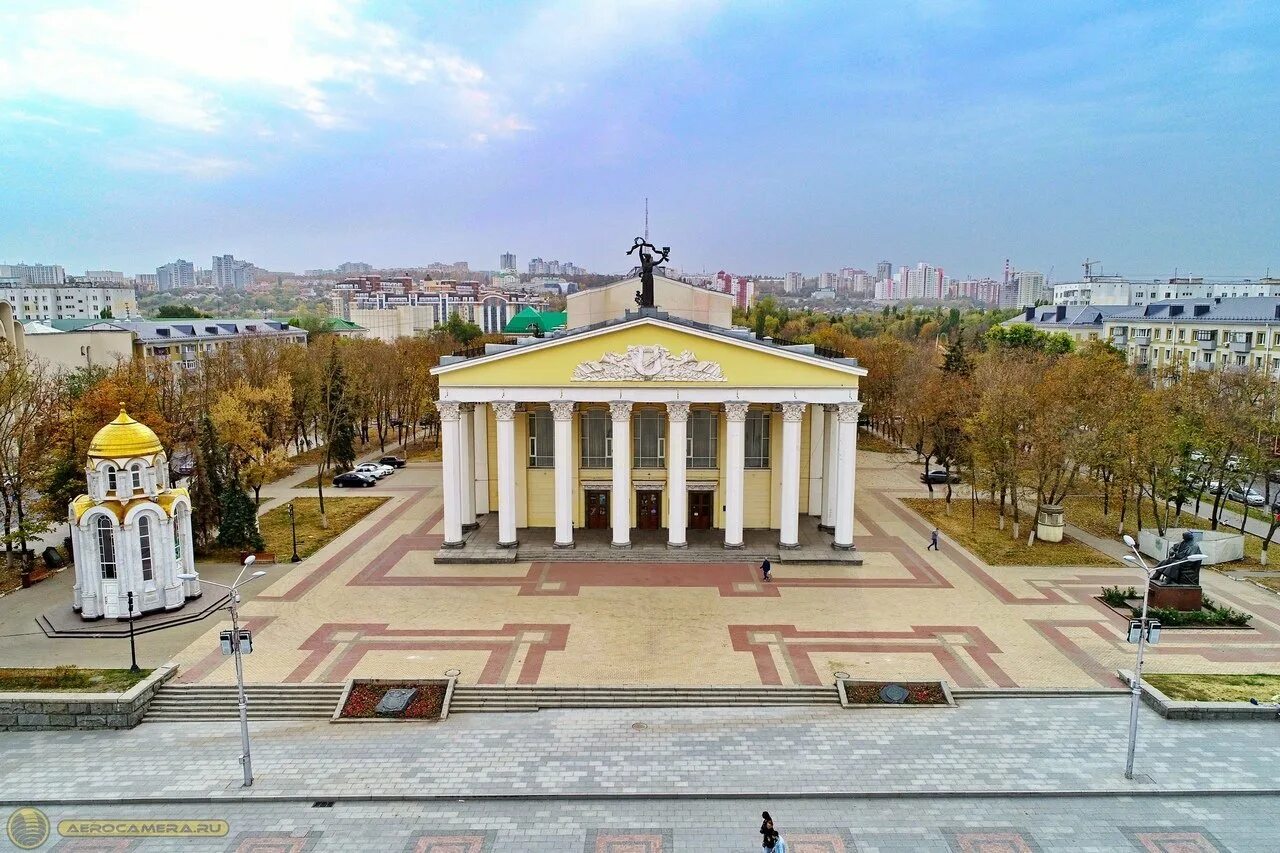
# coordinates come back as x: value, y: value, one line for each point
x: 767, y: 139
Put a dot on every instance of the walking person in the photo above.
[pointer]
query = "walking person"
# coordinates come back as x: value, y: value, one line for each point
x: 933, y: 541
x: 765, y: 568
x: 770, y: 840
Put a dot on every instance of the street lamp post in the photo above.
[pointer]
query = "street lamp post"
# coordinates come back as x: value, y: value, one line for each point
x: 133, y: 650
x: 1135, y: 688
x: 293, y: 526
x: 233, y: 595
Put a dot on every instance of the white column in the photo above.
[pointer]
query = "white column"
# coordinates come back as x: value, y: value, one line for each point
x: 620, y: 499
x: 467, y: 468
x: 504, y: 411
x: 562, y: 412
x: 830, y: 467
x: 451, y: 473
x: 480, y: 430
x: 735, y: 415
x: 846, y: 460
x: 789, y: 521
x: 677, y: 492
x: 817, y: 453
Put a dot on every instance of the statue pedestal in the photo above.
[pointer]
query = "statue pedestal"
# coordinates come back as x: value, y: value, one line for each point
x: 1177, y: 596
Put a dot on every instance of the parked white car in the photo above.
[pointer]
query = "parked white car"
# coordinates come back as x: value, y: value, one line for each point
x: 375, y: 469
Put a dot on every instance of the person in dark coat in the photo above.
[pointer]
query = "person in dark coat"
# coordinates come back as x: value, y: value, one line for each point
x: 766, y: 568
x: 766, y: 825
x: 933, y: 541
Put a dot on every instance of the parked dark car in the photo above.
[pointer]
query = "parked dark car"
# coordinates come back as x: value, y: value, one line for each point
x: 353, y: 478
x: 393, y: 461
x: 940, y: 477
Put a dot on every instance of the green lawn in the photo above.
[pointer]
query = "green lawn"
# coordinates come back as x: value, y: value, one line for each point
x: 1191, y: 687
x: 70, y: 679
x: 998, y: 547
x: 343, y: 513
x: 875, y: 444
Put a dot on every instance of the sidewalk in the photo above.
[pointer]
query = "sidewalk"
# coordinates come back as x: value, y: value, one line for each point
x: 1012, y: 747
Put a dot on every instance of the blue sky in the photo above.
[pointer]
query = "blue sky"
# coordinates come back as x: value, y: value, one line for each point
x: 768, y: 136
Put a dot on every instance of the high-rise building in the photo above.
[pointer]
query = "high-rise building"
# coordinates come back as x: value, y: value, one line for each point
x: 828, y: 280
x: 508, y: 262
x: 146, y: 282
x: 884, y: 271
x: 104, y: 275
x: 40, y: 275
x: 793, y: 283
x: 1030, y: 286
x: 355, y: 268
x: 230, y: 274
x: 176, y: 275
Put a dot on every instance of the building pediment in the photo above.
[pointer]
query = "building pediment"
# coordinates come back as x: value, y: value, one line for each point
x: 651, y: 351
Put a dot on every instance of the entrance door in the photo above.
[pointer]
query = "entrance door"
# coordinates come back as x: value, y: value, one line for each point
x: 597, y: 509
x: 699, y: 510
x: 648, y: 510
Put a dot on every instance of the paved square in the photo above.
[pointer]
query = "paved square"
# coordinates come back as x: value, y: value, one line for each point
x: 374, y: 604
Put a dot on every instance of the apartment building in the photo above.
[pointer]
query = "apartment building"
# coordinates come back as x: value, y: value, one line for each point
x: 187, y: 341
x: 1222, y: 333
x: 68, y: 301
x: 1115, y: 290
x: 397, y: 307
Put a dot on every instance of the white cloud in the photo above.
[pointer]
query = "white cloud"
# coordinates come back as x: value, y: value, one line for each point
x: 196, y: 66
x: 173, y: 162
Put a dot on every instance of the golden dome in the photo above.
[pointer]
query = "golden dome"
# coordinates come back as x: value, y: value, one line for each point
x: 124, y: 438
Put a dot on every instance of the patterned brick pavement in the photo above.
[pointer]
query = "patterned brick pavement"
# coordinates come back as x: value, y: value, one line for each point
x: 1084, y: 825
x: 374, y: 604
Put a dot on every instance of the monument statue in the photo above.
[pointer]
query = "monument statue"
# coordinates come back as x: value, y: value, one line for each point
x: 1176, y: 568
x: 644, y: 296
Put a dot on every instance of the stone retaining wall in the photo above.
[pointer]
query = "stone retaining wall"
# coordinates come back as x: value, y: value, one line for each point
x: 24, y: 712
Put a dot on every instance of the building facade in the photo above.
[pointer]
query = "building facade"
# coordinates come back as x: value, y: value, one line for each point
x: 67, y: 345
x: 230, y: 274
x: 175, y: 275
x: 508, y: 262
x: 69, y: 301
x: 131, y: 533
x: 186, y: 342
x: 1114, y: 290
x: 39, y: 275
x: 649, y: 421
x: 398, y: 307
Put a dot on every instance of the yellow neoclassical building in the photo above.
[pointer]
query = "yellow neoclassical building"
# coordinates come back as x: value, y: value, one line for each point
x: 649, y: 421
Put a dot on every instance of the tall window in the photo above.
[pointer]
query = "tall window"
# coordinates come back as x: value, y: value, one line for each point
x: 757, y: 439
x: 111, y: 479
x: 541, y: 439
x: 703, y: 438
x: 106, y: 548
x: 135, y: 473
x: 649, y: 444
x: 144, y: 542
x: 596, y: 438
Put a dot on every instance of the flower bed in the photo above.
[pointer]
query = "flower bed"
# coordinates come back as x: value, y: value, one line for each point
x: 362, y: 697
x: 873, y: 693
x: 1128, y: 603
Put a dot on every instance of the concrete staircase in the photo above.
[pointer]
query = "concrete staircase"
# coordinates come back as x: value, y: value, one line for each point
x: 189, y: 703
x: 484, y: 697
